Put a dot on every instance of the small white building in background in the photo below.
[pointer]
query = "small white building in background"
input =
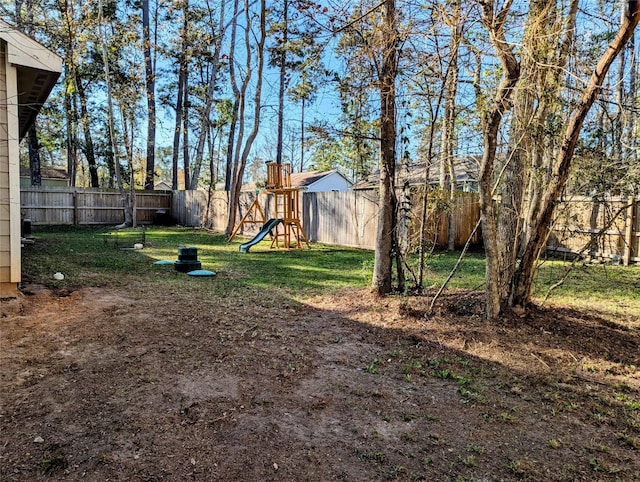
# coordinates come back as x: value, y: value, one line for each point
x: 28, y: 72
x: 320, y: 181
x: 312, y: 181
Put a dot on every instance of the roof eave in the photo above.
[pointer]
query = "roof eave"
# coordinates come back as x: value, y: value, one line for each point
x: 34, y: 88
x: 24, y: 51
x: 38, y: 70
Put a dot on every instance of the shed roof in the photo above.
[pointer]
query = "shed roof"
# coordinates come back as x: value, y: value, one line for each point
x: 46, y: 172
x: 466, y: 170
x: 298, y: 179
x: 304, y: 179
x: 38, y: 70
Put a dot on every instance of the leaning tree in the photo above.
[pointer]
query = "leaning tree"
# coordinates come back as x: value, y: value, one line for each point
x: 515, y: 226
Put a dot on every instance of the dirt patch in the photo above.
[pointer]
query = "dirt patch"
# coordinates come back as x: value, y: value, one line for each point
x: 100, y: 384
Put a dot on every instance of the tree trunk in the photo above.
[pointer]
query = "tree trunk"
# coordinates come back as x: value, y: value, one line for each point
x: 126, y: 204
x: 303, y: 102
x: 176, y: 137
x: 228, y: 178
x: 34, y: 153
x: 128, y: 124
x: 70, y: 94
x: 182, y: 76
x: 241, y: 156
x: 70, y: 127
x: 631, y: 152
x: 382, y: 268
x: 185, y: 133
x: 34, y: 157
x: 447, y: 171
x: 548, y: 102
x: 150, y: 80
x: 205, y: 119
x: 89, y: 151
x: 491, y: 125
x: 18, y: 14
x: 617, y: 120
x: 241, y: 100
x: 283, y: 78
x: 434, y: 114
x: 529, y: 95
x: 525, y: 274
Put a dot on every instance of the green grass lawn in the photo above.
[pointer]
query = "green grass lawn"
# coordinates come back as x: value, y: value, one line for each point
x: 91, y: 257
x: 612, y: 288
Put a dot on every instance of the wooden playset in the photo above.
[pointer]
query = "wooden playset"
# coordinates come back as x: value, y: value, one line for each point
x: 285, y: 228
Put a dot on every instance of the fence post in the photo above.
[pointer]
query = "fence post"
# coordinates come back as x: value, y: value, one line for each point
x: 628, y: 232
x: 134, y: 201
x: 75, y: 208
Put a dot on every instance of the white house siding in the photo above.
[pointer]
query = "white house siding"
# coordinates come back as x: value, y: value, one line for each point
x: 330, y: 182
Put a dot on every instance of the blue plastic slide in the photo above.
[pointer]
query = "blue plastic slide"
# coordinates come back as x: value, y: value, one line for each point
x: 266, y: 229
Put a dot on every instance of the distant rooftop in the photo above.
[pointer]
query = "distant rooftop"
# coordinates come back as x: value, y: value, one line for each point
x: 298, y: 179
x: 46, y: 172
x: 303, y: 179
x: 466, y: 171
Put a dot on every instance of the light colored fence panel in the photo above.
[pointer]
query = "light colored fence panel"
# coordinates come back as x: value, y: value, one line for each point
x: 466, y: 213
x: 88, y: 206
x: 217, y: 214
x: 341, y: 218
x: 612, y: 227
x: 465, y: 210
x: 99, y: 207
x: 266, y: 202
x: 148, y: 203
x: 600, y: 229
x: 201, y: 208
x: 47, y: 206
x: 189, y: 207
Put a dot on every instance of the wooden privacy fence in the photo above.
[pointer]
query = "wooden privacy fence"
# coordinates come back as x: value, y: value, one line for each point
x: 464, y: 211
x: 605, y: 229
x: 340, y: 218
x: 88, y: 206
x: 350, y: 219
x: 601, y: 229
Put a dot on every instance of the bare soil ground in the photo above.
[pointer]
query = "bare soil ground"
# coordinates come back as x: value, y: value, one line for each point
x: 135, y: 385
